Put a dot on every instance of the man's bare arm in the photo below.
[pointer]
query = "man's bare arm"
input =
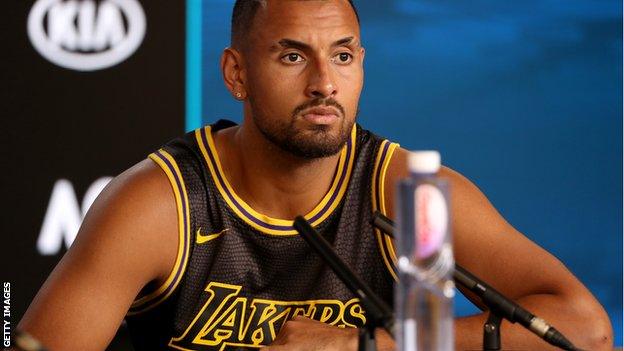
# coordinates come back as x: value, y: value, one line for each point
x: 492, y: 249
x: 128, y: 238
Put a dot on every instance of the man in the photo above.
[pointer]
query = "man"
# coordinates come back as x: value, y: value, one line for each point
x: 196, y: 243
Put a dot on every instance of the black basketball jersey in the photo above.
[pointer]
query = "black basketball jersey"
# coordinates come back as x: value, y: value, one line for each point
x: 240, y: 275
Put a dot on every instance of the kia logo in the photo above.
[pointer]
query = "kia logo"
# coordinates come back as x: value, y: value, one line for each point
x: 86, y: 35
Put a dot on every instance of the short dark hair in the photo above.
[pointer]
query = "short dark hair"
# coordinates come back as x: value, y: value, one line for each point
x: 244, y: 13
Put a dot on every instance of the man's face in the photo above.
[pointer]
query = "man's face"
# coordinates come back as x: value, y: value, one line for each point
x: 304, y: 74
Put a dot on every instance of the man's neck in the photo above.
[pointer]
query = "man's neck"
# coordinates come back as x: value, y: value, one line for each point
x: 272, y: 181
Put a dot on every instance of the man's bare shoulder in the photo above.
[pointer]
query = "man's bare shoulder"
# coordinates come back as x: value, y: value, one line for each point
x: 398, y: 169
x: 128, y: 239
x: 138, y: 207
x: 461, y: 187
x: 144, y: 186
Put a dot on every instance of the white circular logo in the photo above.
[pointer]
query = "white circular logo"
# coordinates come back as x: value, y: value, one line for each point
x: 86, y: 35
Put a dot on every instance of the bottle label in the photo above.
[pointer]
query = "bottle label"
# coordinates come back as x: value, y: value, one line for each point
x: 431, y: 220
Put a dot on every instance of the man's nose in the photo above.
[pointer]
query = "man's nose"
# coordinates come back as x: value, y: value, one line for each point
x: 321, y: 82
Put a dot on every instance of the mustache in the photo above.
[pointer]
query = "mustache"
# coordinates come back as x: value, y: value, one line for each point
x: 319, y: 102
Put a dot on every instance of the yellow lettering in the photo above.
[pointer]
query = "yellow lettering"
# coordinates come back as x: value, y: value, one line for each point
x: 227, y: 319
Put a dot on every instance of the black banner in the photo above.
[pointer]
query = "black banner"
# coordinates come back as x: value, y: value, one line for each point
x: 91, y: 88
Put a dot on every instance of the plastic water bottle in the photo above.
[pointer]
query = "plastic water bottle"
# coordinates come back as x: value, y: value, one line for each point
x: 424, y: 293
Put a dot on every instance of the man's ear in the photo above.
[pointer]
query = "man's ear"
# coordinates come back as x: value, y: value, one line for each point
x: 362, y: 53
x: 233, y: 72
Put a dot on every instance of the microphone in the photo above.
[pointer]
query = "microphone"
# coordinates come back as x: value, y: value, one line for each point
x: 510, y: 310
x: 375, y: 307
x: 496, y: 301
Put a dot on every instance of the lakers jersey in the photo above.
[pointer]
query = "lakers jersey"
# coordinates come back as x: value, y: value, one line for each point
x: 240, y: 275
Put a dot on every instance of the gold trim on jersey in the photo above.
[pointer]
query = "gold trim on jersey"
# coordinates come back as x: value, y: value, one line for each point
x: 266, y: 224
x: 382, y: 161
x: 154, y: 298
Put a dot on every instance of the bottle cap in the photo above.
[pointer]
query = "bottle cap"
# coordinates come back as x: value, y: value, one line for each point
x: 424, y: 161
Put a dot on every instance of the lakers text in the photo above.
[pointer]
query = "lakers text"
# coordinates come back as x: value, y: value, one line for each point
x: 231, y: 321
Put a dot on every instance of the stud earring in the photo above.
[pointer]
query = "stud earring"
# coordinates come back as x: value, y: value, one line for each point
x: 238, y: 95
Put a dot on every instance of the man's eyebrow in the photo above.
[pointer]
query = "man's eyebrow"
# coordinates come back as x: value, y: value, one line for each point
x: 291, y: 43
x: 343, y: 42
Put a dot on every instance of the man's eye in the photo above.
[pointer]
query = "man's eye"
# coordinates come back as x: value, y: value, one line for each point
x: 343, y: 58
x: 292, y: 58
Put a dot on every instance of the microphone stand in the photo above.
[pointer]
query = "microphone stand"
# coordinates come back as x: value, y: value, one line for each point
x: 491, y: 328
x: 491, y: 333
x: 378, y: 313
x: 498, y: 305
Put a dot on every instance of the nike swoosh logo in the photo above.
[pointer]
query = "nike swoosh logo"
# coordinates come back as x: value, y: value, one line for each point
x: 202, y: 239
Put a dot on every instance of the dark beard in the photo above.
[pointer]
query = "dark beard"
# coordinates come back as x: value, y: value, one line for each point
x: 308, y: 144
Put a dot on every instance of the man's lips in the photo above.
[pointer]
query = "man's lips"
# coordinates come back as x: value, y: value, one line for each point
x: 321, y: 115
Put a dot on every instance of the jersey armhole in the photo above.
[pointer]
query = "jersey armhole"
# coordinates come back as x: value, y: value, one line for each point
x: 386, y: 245
x: 151, y: 299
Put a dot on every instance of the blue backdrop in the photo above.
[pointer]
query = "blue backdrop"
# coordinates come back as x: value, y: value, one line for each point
x: 522, y: 97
